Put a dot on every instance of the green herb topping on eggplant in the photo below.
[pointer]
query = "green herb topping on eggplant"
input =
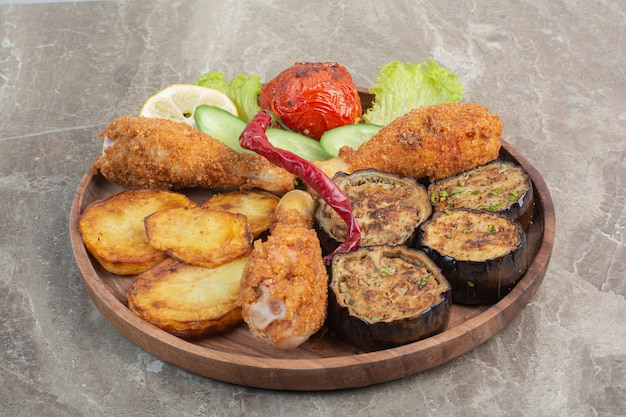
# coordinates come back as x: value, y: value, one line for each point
x: 498, y: 187
x: 482, y: 254
x: 384, y: 296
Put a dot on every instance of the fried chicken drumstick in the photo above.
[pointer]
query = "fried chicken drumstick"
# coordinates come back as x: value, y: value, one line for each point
x: 159, y: 153
x: 430, y: 141
x: 284, y: 286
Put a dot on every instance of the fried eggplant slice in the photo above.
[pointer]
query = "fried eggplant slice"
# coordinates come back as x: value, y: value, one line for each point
x: 383, y: 296
x: 482, y: 254
x: 387, y: 207
x: 498, y: 186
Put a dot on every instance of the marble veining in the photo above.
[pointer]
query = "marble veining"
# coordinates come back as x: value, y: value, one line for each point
x: 553, y: 71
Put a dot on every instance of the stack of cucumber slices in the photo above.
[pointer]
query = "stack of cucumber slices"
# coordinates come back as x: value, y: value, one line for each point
x: 226, y: 127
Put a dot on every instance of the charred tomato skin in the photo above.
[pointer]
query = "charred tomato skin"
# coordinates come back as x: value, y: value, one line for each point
x: 312, y: 97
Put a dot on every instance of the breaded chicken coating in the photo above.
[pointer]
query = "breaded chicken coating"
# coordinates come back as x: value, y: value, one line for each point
x: 284, y: 287
x: 431, y: 141
x: 159, y: 153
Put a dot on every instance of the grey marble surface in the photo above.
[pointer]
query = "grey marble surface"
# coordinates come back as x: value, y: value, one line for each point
x: 552, y: 70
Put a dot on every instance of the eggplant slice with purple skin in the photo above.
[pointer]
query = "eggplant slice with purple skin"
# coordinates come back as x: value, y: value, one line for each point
x: 499, y: 187
x: 482, y: 254
x: 383, y: 296
x: 387, y: 207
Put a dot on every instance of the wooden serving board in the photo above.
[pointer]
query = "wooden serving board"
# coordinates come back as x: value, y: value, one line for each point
x: 323, y: 362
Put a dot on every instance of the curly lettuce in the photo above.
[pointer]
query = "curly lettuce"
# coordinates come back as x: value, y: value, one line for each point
x: 243, y: 90
x: 401, y: 87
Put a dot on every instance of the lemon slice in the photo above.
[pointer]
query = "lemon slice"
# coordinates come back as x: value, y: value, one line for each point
x: 178, y: 102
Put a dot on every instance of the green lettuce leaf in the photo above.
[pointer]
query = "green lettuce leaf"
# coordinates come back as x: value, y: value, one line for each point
x: 213, y: 80
x: 243, y: 90
x: 402, y: 87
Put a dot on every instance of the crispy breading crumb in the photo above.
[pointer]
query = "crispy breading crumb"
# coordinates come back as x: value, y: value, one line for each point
x: 431, y: 141
x: 159, y: 153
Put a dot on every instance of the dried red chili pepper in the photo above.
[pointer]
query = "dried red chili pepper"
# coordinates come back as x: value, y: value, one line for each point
x: 253, y: 138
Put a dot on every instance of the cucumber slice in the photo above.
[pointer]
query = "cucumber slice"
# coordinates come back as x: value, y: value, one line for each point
x: 220, y: 124
x: 227, y: 128
x: 303, y: 146
x: 352, y: 135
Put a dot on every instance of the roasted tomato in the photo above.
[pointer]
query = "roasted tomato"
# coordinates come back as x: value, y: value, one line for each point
x: 311, y: 98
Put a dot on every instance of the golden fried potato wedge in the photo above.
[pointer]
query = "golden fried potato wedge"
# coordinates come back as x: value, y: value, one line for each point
x: 199, y: 236
x: 113, y: 229
x: 188, y: 300
x: 258, y: 206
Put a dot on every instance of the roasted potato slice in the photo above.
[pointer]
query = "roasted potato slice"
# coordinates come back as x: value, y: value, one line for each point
x: 188, y: 300
x: 113, y: 229
x: 258, y: 206
x: 199, y: 236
